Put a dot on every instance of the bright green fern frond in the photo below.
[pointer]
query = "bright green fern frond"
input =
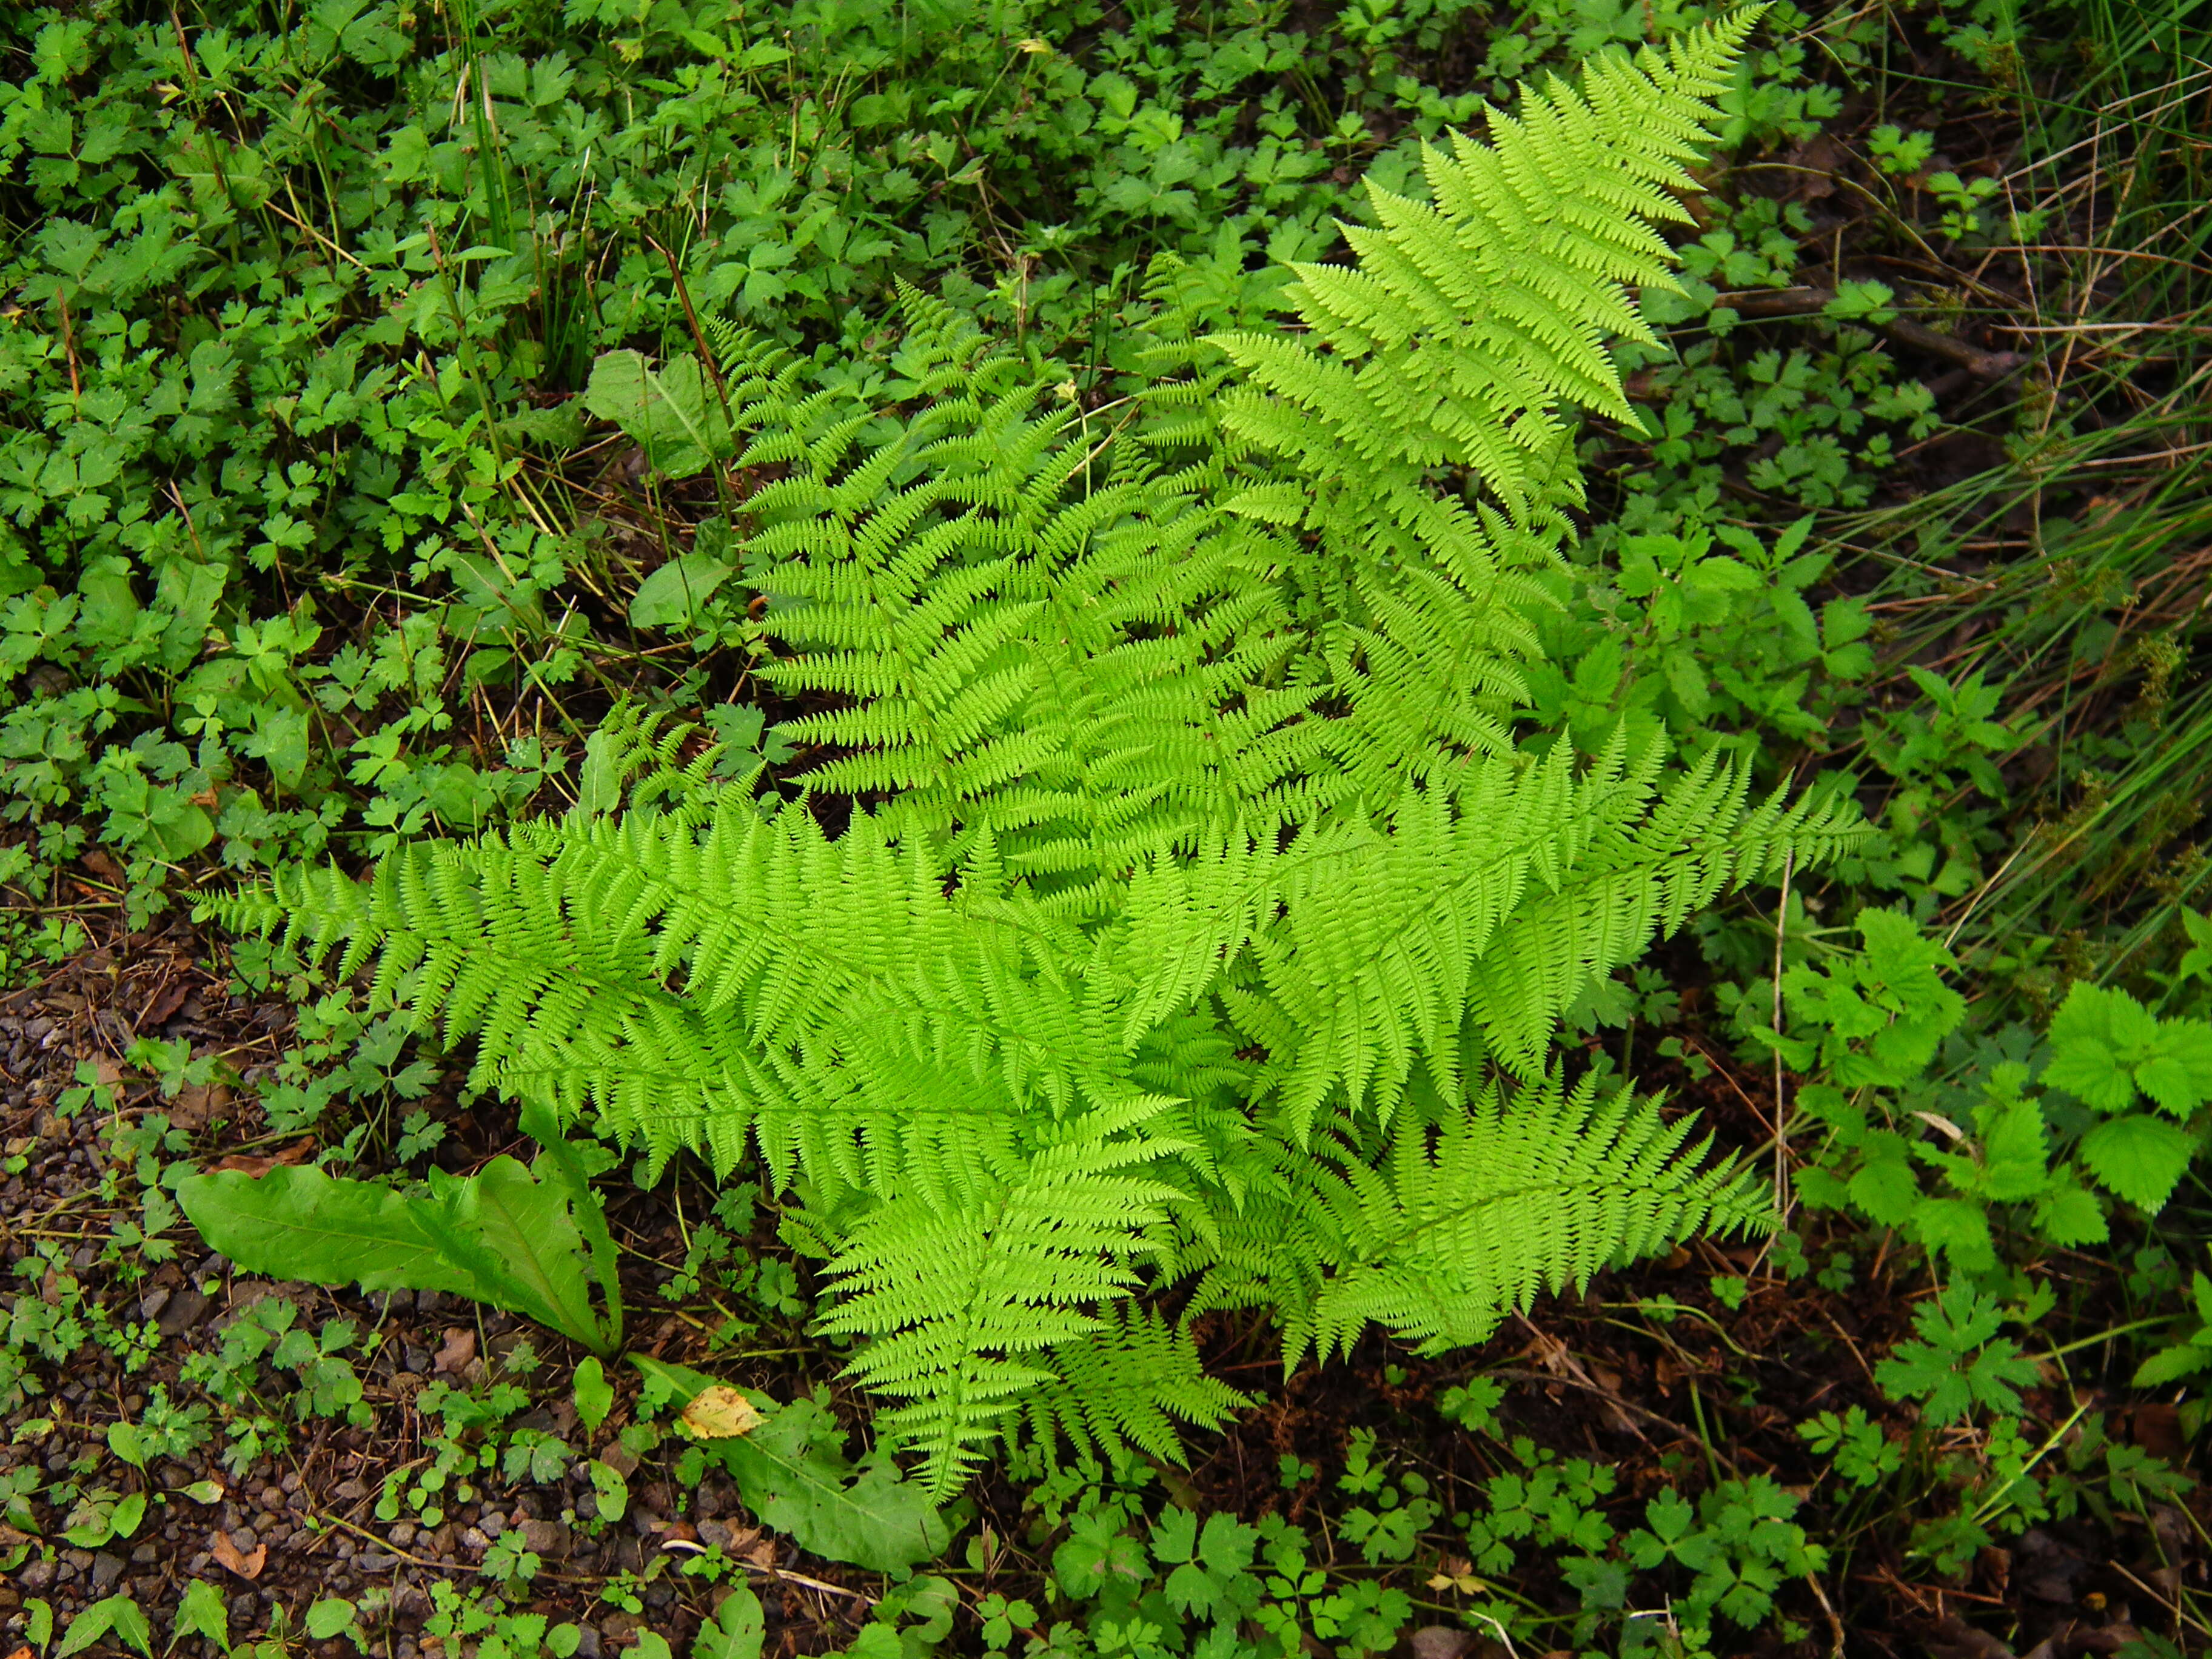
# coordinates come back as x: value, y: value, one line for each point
x: 959, y: 1288
x: 1638, y: 878
x: 1466, y: 324
x: 1459, y: 1223
x: 1128, y: 1384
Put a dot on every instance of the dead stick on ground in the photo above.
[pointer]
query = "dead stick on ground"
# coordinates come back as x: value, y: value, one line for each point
x: 1781, y: 1113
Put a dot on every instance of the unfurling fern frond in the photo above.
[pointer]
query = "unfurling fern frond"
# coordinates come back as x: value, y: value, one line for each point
x: 1196, y: 915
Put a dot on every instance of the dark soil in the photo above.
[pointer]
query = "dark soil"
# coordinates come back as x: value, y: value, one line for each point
x: 302, y: 1524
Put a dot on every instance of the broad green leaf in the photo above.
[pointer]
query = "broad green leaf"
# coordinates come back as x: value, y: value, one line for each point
x: 673, y: 414
x: 1958, y: 1227
x: 1727, y: 574
x: 2085, y: 1067
x: 203, y: 1613
x: 2071, y: 1215
x: 790, y: 1473
x: 608, y: 1489
x: 2014, y: 1164
x: 118, y: 1616
x: 2170, y: 1364
x: 302, y: 1223
x: 1886, y: 1188
x: 124, y: 1441
x: 515, y: 1233
x: 501, y: 1236
x: 734, y: 1631
x: 2138, y: 1157
x: 570, y: 1165
x: 2179, y: 1073
x: 129, y: 1515
x: 2106, y: 1045
x: 594, y: 1395
x: 671, y: 596
x: 328, y: 1617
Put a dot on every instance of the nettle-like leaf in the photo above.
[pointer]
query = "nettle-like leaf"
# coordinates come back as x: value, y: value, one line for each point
x: 2106, y: 1047
x: 2108, y: 1050
x: 2139, y: 1157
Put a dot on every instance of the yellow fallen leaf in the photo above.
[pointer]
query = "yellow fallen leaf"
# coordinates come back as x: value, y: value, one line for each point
x: 718, y: 1414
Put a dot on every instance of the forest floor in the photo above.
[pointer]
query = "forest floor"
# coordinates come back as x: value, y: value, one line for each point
x: 277, y: 1443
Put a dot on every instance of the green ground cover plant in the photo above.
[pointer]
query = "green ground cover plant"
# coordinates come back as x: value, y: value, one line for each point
x: 809, y: 452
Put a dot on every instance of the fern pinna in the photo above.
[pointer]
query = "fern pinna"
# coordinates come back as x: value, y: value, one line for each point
x: 1206, y: 948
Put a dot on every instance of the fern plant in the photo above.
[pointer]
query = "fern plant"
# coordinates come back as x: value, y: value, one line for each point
x: 1196, y: 930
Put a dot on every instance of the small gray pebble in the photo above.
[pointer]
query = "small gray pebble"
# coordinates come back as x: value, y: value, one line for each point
x: 107, y: 1568
x: 181, y: 1312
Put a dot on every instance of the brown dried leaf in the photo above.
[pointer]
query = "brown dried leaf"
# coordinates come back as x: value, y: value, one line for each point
x: 252, y: 1164
x: 460, y: 1348
x: 196, y: 1106
x: 164, y: 1003
x: 246, y: 1564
